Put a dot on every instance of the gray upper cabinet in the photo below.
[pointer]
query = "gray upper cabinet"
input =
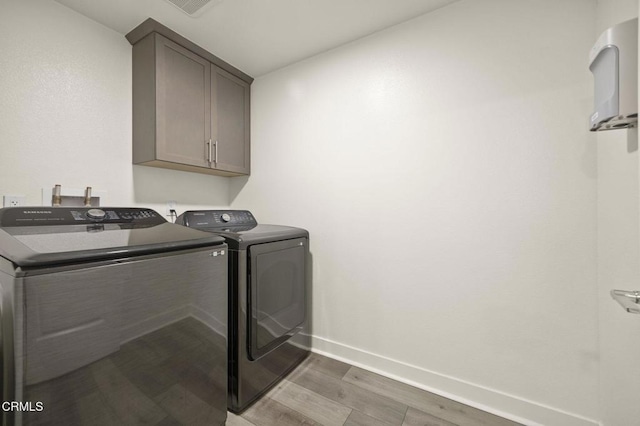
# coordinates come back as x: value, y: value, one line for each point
x: 190, y: 109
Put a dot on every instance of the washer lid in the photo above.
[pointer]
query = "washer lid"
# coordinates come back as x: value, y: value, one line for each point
x: 43, y: 236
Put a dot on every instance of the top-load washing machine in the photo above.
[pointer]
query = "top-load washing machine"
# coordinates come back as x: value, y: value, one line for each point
x: 111, y: 316
x: 268, y: 299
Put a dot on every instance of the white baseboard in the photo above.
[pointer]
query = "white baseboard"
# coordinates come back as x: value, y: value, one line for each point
x: 511, y: 407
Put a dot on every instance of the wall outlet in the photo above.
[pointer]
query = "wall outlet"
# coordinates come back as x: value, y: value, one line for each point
x: 13, y: 200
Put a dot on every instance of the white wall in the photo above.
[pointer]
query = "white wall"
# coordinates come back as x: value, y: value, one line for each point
x: 65, y: 113
x: 618, y: 253
x: 445, y: 172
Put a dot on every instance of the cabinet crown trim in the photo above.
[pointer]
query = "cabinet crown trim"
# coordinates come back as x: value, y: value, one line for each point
x: 152, y: 26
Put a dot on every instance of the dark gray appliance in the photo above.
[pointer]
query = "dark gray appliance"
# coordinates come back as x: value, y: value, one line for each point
x: 111, y: 316
x: 268, y: 291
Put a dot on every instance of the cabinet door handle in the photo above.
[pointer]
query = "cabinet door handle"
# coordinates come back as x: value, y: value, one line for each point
x: 215, y: 158
x: 209, y: 150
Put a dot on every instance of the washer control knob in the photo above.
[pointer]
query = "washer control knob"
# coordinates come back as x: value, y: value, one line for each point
x: 96, y: 214
x: 225, y: 217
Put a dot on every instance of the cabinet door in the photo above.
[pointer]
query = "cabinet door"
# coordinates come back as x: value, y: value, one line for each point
x: 183, y: 105
x: 230, y: 122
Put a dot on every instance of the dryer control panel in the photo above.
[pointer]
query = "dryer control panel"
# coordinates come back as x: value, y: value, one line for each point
x: 217, y: 219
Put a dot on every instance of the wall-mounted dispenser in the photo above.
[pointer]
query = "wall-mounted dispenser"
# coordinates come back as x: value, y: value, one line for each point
x: 613, y: 60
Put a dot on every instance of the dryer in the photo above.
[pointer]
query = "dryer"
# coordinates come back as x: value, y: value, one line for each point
x: 110, y: 316
x: 269, y: 289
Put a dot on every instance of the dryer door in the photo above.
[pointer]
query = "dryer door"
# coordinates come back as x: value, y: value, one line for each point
x: 276, y: 295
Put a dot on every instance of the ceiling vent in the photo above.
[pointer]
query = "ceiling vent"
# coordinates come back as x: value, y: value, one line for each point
x: 194, y: 8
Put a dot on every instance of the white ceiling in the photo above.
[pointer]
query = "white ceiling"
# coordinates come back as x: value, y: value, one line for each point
x: 259, y: 36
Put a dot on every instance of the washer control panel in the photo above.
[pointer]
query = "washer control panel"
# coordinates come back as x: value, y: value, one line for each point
x: 33, y: 216
x: 217, y: 219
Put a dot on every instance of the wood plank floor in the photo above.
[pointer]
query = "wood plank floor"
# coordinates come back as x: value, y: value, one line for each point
x: 323, y: 391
